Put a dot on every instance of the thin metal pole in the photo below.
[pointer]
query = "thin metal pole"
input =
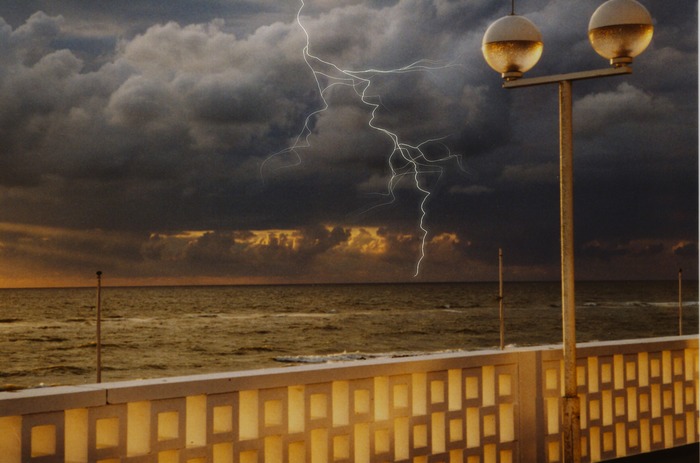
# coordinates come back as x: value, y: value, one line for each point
x: 680, y: 302
x: 571, y: 419
x: 99, y: 326
x: 501, y: 314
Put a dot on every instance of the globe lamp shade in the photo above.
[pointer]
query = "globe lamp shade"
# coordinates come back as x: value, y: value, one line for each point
x: 512, y: 45
x: 619, y: 30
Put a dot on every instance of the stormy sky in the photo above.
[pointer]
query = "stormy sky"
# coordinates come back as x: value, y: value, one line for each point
x: 150, y: 140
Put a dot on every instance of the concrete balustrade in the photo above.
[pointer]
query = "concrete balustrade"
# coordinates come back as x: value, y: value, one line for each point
x: 487, y: 406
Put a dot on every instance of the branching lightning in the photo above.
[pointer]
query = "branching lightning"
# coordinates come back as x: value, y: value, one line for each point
x: 405, y: 160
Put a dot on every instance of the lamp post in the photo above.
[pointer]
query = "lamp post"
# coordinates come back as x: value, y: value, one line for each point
x: 619, y: 30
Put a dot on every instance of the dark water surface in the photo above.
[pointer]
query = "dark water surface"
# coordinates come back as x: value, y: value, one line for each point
x: 47, y: 336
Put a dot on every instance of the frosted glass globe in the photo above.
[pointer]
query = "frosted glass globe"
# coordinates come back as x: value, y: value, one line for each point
x: 619, y: 30
x: 512, y: 45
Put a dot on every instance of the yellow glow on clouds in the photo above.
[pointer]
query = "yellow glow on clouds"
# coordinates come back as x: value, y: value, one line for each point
x: 43, y: 256
x: 363, y: 240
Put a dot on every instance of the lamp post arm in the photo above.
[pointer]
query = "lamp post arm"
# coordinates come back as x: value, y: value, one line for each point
x: 555, y: 79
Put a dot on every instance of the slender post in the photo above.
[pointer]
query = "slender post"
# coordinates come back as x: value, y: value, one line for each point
x: 99, y: 327
x: 680, y: 302
x: 501, y: 315
x: 571, y: 420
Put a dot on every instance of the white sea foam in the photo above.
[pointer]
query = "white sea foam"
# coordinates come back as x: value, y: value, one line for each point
x: 351, y: 356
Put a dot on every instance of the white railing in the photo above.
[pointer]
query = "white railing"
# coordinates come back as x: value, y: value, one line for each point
x: 486, y: 406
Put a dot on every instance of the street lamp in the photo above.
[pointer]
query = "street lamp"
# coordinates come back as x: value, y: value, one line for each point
x: 619, y: 30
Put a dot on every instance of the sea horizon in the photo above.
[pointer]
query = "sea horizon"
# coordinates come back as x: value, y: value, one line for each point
x: 105, y: 284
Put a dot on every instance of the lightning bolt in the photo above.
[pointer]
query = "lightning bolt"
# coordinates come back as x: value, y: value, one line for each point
x: 405, y: 160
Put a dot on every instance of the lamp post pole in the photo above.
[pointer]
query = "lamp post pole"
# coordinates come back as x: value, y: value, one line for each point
x: 571, y: 414
x: 571, y: 408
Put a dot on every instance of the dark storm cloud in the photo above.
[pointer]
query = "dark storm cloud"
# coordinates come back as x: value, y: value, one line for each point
x: 157, y: 118
x: 99, y: 17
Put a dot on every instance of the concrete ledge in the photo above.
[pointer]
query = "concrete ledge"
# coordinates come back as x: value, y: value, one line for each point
x: 52, y: 399
x: 637, y: 396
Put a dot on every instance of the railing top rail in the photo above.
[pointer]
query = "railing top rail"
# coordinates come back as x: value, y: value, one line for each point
x: 67, y: 397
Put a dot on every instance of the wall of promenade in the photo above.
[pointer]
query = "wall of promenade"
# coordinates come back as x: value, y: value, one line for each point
x: 485, y: 406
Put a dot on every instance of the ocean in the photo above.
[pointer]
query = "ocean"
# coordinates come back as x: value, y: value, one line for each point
x: 48, y: 336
